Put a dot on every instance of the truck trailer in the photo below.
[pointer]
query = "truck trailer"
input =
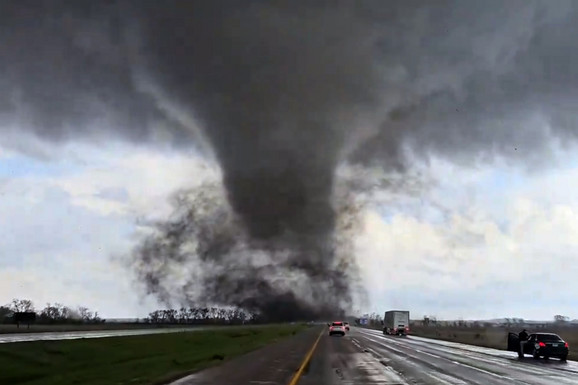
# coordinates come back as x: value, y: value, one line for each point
x: 396, y: 322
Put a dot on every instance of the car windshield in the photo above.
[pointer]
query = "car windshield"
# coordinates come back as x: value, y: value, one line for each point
x: 548, y: 337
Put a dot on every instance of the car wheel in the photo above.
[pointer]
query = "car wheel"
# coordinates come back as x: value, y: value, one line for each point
x: 536, y: 354
x: 564, y: 358
x: 520, y: 354
x: 546, y: 357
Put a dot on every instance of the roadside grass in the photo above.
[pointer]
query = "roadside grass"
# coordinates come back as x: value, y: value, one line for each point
x: 496, y: 338
x: 40, y: 328
x: 149, y: 359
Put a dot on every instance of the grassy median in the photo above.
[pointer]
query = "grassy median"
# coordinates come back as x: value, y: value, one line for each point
x: 149, y: 359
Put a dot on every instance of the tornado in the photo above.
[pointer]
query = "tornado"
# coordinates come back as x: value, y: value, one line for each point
x: 275, y: 86
x: 301, y: 106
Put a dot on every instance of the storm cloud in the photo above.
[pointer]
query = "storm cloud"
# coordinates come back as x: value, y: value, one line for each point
x: 282, y: 94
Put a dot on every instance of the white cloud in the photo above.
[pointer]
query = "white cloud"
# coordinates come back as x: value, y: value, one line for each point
x: 61, y: 232
x: 482, y: 243
x: 147, y: 179
x: 471, y: 264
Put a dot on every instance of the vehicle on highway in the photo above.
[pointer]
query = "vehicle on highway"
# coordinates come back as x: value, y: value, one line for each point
x: 346, y: 324
x: 539, y: 345
x: 338, y: 328
x: 396, y: 322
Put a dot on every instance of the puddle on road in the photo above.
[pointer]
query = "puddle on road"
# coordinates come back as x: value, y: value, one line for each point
x: 363, y: 369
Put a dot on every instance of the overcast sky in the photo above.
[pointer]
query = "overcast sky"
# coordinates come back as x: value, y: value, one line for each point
x: 485, y: 243
x: 470, y: 105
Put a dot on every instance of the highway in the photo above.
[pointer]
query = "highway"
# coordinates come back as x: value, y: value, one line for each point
x: 54, y: 336
x: 368, y: 357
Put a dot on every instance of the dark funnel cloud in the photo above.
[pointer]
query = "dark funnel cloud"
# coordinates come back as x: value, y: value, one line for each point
x: 276, y: 86
x: 288, y: 94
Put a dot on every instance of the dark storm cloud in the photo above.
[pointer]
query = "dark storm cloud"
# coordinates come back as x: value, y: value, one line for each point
x: 480, y: 80
x: 285, y: 92
x: 68, y: 71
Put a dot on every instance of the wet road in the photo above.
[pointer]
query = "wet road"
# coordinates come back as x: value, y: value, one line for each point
x: 53, y: 336
x: 274, y: 364
x: 368, y: 357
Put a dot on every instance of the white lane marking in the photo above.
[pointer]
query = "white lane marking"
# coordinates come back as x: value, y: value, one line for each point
x: 374, y: 371
x: 502, y: 377
x: 570, y: 366
x: 558, y: 376
x: 378, y: 372
x: 356, y: 343
x: 476, y: 357
x: 494, y: 359
x: 441, y: 378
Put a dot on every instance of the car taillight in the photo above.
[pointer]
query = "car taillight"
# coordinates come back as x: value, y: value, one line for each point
x: 566, y: 345
x: 542, y: 345
x: 406, y: 329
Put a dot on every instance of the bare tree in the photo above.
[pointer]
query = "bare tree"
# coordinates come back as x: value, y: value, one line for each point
x: 21, y: 305
x: 85, y: 314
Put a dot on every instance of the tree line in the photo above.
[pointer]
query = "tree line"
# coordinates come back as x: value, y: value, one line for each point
x: 58, y: 313
x: 50, y: 314
x: 203, y: 315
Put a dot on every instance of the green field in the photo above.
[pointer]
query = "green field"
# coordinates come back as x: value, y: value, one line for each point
x: 150, y: 359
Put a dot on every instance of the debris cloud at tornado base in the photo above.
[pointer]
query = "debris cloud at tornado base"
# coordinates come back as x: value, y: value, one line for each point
x: 283, y: 94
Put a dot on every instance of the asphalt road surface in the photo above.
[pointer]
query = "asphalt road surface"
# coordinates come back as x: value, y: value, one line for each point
x: 54, y: 336
x: 368, y: 357
x: 356, y: 359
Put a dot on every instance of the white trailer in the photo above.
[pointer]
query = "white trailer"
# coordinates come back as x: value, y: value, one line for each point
x: 396, y: 322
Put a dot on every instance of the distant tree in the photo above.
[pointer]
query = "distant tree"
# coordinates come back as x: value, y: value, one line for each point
x: 183, y: 315
x: 561, y: 319
x: 5, y: 314
x: 50, y: 313
x: 85, y: 314
x: 21, y: 305
x: 59, y: 313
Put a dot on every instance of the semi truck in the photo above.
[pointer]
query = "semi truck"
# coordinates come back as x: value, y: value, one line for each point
x: 396, y: 322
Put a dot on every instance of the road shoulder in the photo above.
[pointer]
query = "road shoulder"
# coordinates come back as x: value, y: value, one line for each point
x: 274, y: 364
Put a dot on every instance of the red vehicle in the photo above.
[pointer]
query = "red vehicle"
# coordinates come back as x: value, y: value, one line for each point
x: 338, y: 328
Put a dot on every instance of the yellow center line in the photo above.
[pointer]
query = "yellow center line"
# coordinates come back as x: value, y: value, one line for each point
x: 299, y: 373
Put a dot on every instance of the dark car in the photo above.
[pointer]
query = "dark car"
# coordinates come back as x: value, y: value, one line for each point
x: 338, y: 328
x: 539, y: 345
